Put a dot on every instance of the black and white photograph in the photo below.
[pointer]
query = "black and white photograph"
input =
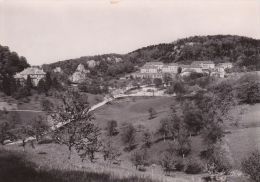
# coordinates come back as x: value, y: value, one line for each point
x: 129, y: 91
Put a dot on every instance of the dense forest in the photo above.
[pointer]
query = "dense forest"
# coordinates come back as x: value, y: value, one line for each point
x: 10, y: 63
x: 219, y: 48
x: 243, y: 51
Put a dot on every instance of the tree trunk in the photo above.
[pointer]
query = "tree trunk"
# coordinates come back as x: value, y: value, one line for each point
x: 69, y: 153
x: 23, y: 144
x: 32, y: 144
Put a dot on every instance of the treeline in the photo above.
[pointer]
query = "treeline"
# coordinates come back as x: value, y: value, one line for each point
x: 69, y: 66
x: 219, y: 48
x: 10, y: 64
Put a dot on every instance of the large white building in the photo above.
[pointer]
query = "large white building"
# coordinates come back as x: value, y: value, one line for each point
x: 204, y: 64
x: 159, y: 69
x: 170, y: 68
x: 225, y: 65
x: 35, y: 73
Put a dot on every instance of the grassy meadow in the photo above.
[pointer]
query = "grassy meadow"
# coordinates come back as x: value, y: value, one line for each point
x: 52, y: 159
x: 15, y: 167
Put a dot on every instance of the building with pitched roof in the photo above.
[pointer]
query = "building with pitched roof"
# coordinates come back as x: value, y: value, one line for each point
x: 204, y: 64
x: 225, y: 65
x: 35, y: 73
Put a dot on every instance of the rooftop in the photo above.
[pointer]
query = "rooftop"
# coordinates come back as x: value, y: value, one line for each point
x: 202, y: 62
x: 149, y: 67
x: 154, y: 63
x: 32, y: 71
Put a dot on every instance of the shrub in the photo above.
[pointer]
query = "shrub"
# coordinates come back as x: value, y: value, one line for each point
x: 139, y: 158
x: 128, y: 136
x: 194, y: 167
x: 217, y: 160
x: 179, y: 166
x: 152, y: 113
x: 112, y: 127
x: 142, y: 168
x: 168, y: 162
x: 251, y: 165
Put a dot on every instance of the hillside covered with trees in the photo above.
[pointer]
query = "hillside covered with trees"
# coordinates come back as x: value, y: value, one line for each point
x: 243, y: 51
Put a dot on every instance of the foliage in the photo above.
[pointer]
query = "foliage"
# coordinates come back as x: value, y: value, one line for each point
x: 176, y: 87
x: 5, y: 133
x: 214, y: 107
x: 139, y: 158
x: 248, y: 88
x: 192, y: 118
x: 88, y: 143
x: 169, y: 127
x: 194, y: 166
x: 39, y: 127
x: 168, y: 162
x: 110, y: 151
x: 15, y: 167
x: 128, y: 136
x: 251, y: 165
x: 147, y: 141
x: 29, y: 83
x: 77, y: 130
x: 165, y: 128
x: 157, y: 82
x: 152, y: 113
x: 112, y: 127
x: 183, y: 143
x: 167, y: 79
x: 93, y: 87
x: 240, y: 50
x: 47, y: 105
x: 22, y: 92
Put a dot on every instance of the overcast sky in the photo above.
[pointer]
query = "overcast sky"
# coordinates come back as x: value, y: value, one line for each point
x: 45, y: 31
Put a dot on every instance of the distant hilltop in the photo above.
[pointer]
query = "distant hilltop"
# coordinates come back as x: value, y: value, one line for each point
x: 241, y: 51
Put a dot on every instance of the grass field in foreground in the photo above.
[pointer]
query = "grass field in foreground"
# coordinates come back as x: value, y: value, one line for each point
x: 14, y: 167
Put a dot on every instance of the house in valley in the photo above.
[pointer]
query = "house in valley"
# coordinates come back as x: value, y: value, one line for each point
x: 204, y: 64
x: 170, y: 68
x: 35, y: 73
x: 226, y: 65
x: 158, y: 69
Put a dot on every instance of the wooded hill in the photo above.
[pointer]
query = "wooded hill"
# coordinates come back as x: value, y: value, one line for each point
x: 243, y: 51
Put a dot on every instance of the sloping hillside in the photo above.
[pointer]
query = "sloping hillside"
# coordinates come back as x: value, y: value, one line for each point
x: 219, y: 48
x: 243, y: 51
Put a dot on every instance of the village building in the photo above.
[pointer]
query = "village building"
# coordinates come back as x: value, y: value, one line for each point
x: 218, y: 72
x: 35, y: 73
x: 204, y: 64
x: 158, y: 69
x: 191, y: 68
x: 170, y: 68
x: 227, y: 65
x: 158, y: 65
x: 149, y: 69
